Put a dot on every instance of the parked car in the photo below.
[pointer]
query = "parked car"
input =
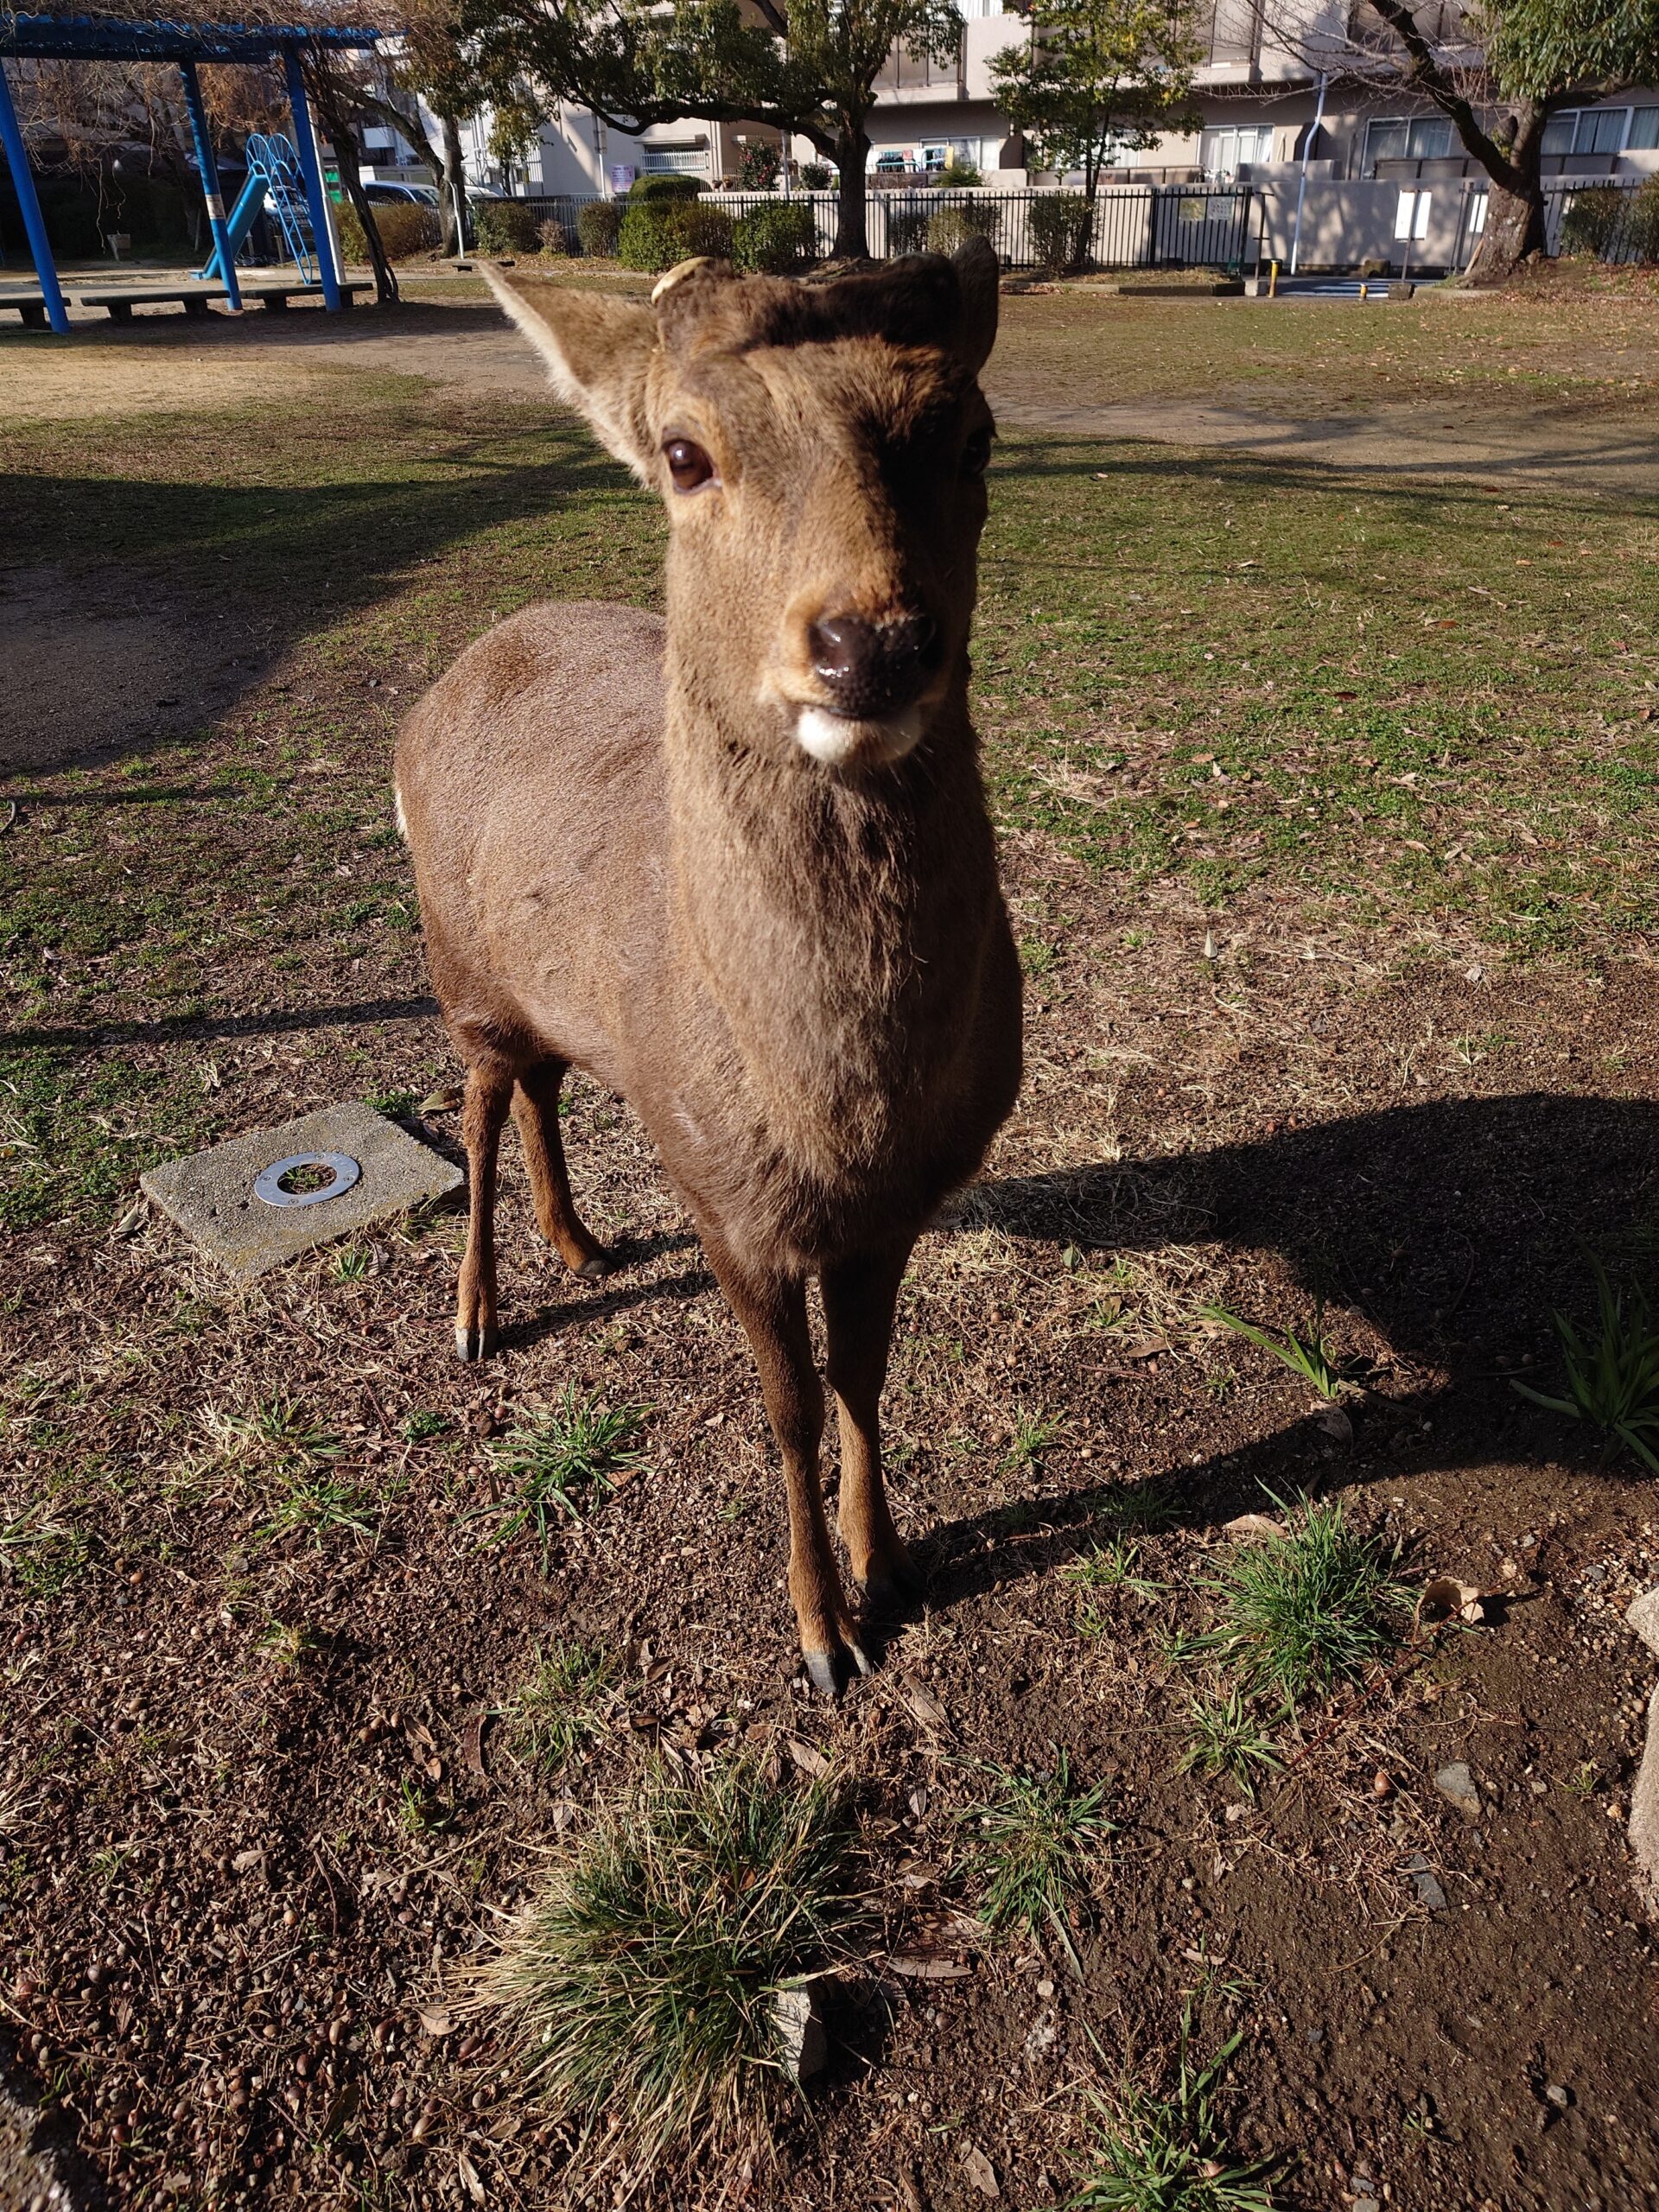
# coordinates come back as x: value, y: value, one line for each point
x: 385, y: 195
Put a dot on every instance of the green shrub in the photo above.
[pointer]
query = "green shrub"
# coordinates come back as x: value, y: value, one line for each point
x: 505, y: 227
x: 952, y: 227
x: 775, y: 241
x: 655, y: 235
x: 816, y: 176
x: 1642, y: 224
x: 555, y: 239
x: 1059, y: 231
x: 597, y: 225
x: 665, y: 185
x: 1589, y: 223
x: 959, y: 174
x: 406, y: 229
x: 907, y: 228
x: 758, y: 166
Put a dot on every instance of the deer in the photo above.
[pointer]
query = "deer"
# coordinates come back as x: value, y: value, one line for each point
x: 736, y: 862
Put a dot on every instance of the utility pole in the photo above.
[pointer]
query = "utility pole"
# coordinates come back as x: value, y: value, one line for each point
x: 1301, y: 182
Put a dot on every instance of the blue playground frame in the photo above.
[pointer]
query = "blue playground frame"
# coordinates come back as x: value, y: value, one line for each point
x: 91, y: 38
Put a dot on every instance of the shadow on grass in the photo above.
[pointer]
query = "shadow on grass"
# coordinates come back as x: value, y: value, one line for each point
x: 1452, y: 1231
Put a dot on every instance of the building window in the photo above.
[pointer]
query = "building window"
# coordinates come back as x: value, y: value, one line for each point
x: 677, y: 160
x: 973, y: 10
x: 1407, y: 138
x: 1644, y: 130
x: 1589, y: 130
x: 1224, y: 153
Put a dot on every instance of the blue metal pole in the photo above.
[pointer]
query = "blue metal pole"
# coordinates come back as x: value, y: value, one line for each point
x: 316, y: 198
x: 224, y: 252
x: 40, y: 245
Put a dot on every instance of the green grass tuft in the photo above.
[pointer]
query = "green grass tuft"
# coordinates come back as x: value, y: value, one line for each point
x: 1307, y: 1610
x: 557, y: 1460
x: 1039, y: 1837
x: 1310, y: 1356
x: 1612, y: 1380
x: 559, y: 1707
x: 1224, y: 1738
x: 641, y: 1982
x: 1171, y: 2153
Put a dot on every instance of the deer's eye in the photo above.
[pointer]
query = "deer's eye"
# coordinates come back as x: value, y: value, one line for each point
x: 976, y: 454
x: 688, y: 464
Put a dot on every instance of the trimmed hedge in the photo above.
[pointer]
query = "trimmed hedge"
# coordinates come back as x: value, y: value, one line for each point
x: 907, y: 229
x: 555, y: 239
x: 406, y: 229
x: 505, y: 227
x: 597, y: 225
x: 1059, y: 223
x: 656, y: 234
x: 775, y: 241
x: 667, y: 184
x: 952, y: 227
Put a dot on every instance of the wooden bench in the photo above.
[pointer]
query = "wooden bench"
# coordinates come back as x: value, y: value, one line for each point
x: 196, y: 298
x: 30, y: 305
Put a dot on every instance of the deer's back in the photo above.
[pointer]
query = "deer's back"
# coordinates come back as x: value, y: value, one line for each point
x: 529, y: 783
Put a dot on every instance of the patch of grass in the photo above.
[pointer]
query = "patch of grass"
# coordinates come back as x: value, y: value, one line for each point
x: 1038, y: 1835
x: 642, y: 1982
x: 559, y: 1707
x: 44, y: 1555
x: 320, y: 1505
x: 1171, y: 2153
x: 280, y: 1430
x: 1223, y: 1736
x: 1029, y: 1439
x: 422, y: 1424
x: 1305, y: 1611
x: 1613, y: 1377
x: 289, y: 1643
x: 1310, y: 1356
x: 554, y: 1461
x: 1133, y: 1505
x: 1108, y: 1567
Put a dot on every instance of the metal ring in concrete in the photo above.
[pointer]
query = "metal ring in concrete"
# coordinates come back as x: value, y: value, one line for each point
x: 269, y: 1185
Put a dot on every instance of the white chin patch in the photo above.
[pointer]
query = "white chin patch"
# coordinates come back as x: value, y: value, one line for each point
x: 840, y: 743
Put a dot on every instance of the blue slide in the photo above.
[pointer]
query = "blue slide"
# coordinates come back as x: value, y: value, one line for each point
x: 276, y: 184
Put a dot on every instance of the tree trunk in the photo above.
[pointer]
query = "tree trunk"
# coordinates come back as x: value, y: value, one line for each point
x: 852, y: 233
x: 1515, y: 205
x: 452, y: 187
x: 337, y: 123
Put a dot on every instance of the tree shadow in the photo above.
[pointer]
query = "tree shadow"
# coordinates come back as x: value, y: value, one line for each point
x: 1451, y: 1231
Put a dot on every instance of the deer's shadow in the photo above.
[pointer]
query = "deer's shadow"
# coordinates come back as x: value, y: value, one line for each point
x: 1454, y: 1229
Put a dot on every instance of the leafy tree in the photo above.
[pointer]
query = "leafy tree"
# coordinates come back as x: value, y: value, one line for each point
x: 803, y: 66
x: 1497, y: 70
x: 1098, y: 78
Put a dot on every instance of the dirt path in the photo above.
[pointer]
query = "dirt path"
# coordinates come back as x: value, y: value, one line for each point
x: 1609, y: 454
x: 163, y: 365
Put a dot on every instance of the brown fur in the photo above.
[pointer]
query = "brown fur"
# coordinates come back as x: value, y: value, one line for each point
x: 800, y: 975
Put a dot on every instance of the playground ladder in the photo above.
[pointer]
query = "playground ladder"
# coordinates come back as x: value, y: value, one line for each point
x: 274, y: 174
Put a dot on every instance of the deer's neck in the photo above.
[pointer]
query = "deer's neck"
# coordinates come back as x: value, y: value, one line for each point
x: 834, y: 923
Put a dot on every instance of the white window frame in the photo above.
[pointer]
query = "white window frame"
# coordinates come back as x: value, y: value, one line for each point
x: 1580, y: 116
x: 1376, y: 123
x: 1212, y: 147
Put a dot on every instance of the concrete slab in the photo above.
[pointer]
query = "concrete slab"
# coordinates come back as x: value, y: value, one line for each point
x: 211, y: 1195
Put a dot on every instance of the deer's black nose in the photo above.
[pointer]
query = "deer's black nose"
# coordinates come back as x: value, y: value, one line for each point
x: 873, y: 669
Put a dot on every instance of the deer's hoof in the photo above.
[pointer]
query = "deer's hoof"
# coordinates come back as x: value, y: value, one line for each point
x: 892, y: 1582
x: 830, y: 1671
x: 595, y: 1270
x: 475, y: 1344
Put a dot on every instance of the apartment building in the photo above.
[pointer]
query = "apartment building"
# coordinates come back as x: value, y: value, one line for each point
x: 1259, y: 90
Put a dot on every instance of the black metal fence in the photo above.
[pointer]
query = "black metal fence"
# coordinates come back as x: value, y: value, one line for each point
x: 1615, y: 221
x: 1133, y: 226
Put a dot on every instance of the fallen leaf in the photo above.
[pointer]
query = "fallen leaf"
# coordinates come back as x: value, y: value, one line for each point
x: 472, y: 1744
x: 806, y: 1756
x: 1446, y: 1597
x: 437, y: 2022
x: 439, y: 1102
x: 979, y: 2170
x: 469, y: 2173
x: 1255, y: 1529
x: 924, y: 1706
x: 1335, y: 1423
x: 916, y: 1968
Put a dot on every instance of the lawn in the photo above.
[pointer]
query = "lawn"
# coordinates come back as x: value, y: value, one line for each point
x: 1328, y: 810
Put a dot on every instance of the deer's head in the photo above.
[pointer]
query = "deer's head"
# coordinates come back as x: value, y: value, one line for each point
x: 821, y: 449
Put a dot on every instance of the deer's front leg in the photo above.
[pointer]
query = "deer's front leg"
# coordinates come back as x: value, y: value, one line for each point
x: 859, y: 1300
x: 489, y: 1092
x: 773, y: 1309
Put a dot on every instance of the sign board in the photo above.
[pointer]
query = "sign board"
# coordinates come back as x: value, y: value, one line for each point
x: 622, y: 175
x: 1411, y: 216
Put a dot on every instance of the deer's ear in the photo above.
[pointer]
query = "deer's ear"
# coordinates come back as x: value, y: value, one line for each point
x: 597, y: 350
x: 976, y: 283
